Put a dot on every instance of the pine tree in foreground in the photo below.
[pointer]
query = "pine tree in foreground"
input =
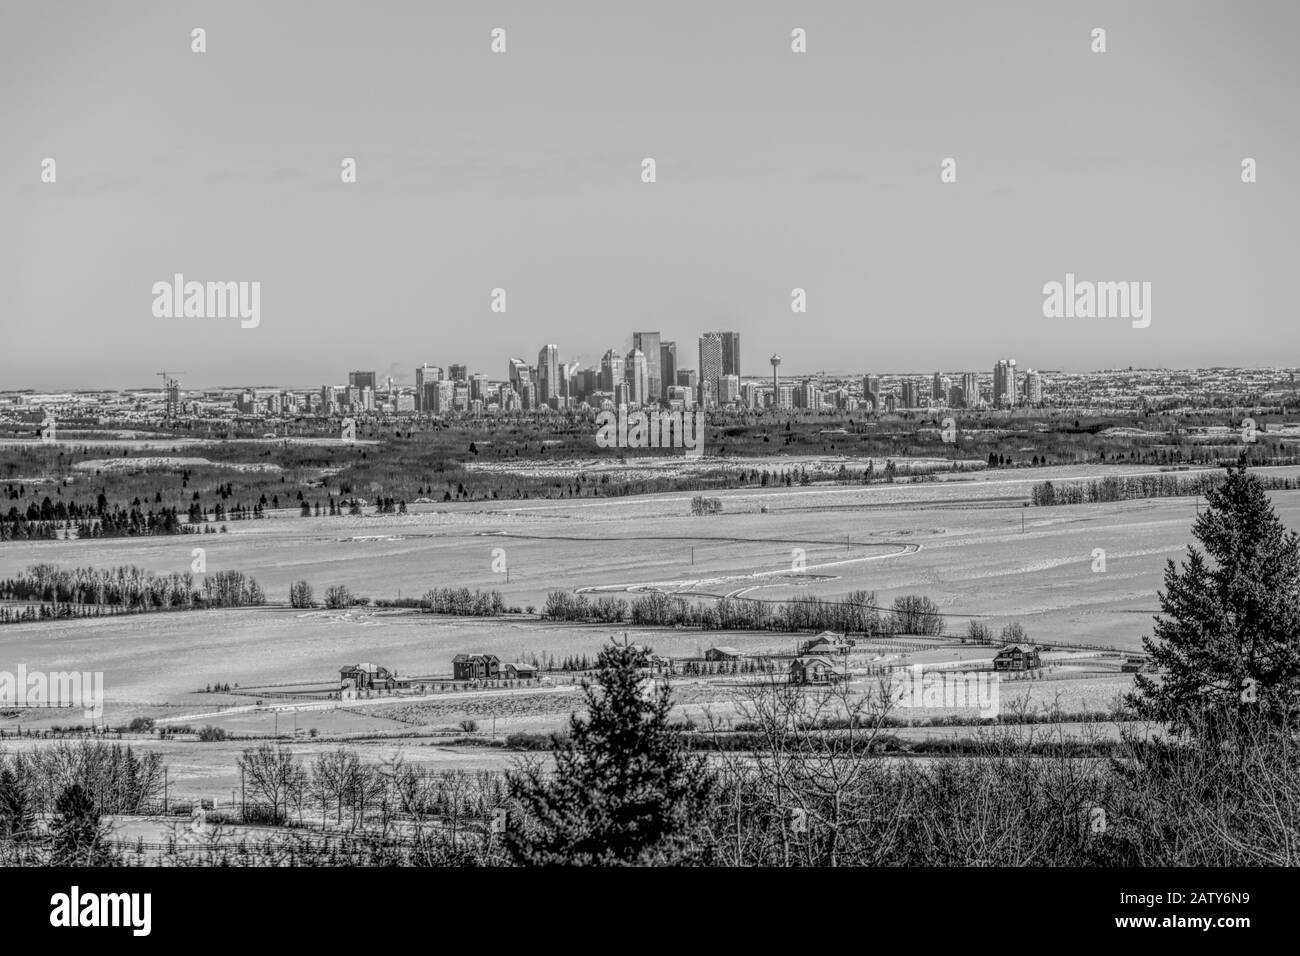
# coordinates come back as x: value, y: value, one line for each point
x: 1226, y: 645
x: 624, y: 790
x: 17, y: 821
x: 77, y: 833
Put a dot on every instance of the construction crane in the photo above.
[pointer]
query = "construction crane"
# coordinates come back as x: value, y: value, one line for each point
x: 168, y: 382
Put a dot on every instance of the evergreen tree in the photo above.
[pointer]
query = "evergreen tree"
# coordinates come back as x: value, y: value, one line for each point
x: 1227, y: 643
x: 624, y: 790
x: 77, y: 833
x: 17, y: 822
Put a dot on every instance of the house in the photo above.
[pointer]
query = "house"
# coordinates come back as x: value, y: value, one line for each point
x: 722, y: 654
x: 476, y: 667
x: 1133, y: 664
x: 1017, y: 657
x: 812, y: 670
x: 365, y: 676
x: 827, y: 642
x: 521, y: 672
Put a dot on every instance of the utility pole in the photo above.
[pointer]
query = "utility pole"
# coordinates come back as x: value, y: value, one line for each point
x: 164, y: 791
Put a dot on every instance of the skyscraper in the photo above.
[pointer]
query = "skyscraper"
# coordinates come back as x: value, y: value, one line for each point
x: 425, y: 374
x: 458, y: 373
x: 710, y: 368
x: 970, y: 386
x: 648, y: 344
x: 1033, y: 387
x: 361, y: 379
x: 611, y: 371
x: 668, y: 365
x: 730, y: 351
x: 517, y: 372
x: 548, y: 374
x: 1004, y: 383
x: 637, y: 377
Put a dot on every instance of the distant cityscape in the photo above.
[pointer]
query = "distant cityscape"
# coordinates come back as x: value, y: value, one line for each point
x: 653, y: 374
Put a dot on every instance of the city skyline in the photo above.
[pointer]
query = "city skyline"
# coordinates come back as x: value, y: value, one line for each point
x: 1124, y: 166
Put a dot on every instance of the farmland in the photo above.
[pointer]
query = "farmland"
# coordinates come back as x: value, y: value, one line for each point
x: 968, y: 543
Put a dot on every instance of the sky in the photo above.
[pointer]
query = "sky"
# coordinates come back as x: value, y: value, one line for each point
x: 523, y: 171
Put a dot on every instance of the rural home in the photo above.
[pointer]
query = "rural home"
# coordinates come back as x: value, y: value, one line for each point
x: 366, y: 676
x: 1133, y: 664
x: 827, y: 642
x: 812, y: 670
x: 476, y: 667
x: 722, y: 654
x: 1017, y: 657
x: 521, y: 672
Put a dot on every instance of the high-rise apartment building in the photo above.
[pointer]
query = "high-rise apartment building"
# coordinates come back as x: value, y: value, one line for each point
x: 1004, y: 383
x: 458, y: 373
x: 1033, y: 387
x: 970, y: 386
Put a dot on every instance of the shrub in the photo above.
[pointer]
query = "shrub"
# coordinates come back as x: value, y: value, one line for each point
x: 301, y: 595
x: 338, y: 597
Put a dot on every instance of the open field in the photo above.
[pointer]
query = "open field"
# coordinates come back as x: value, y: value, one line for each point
x: 959, y: 542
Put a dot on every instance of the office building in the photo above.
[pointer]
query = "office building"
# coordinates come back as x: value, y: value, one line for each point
x: 635, y: 373
x: 668, y: 365
x: 611, y: 371
x: 548, y: 373
x: 710, y: 368
x: 648, y: 344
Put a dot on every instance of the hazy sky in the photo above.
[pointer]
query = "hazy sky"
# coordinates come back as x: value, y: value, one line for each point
x: 522, y: 171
